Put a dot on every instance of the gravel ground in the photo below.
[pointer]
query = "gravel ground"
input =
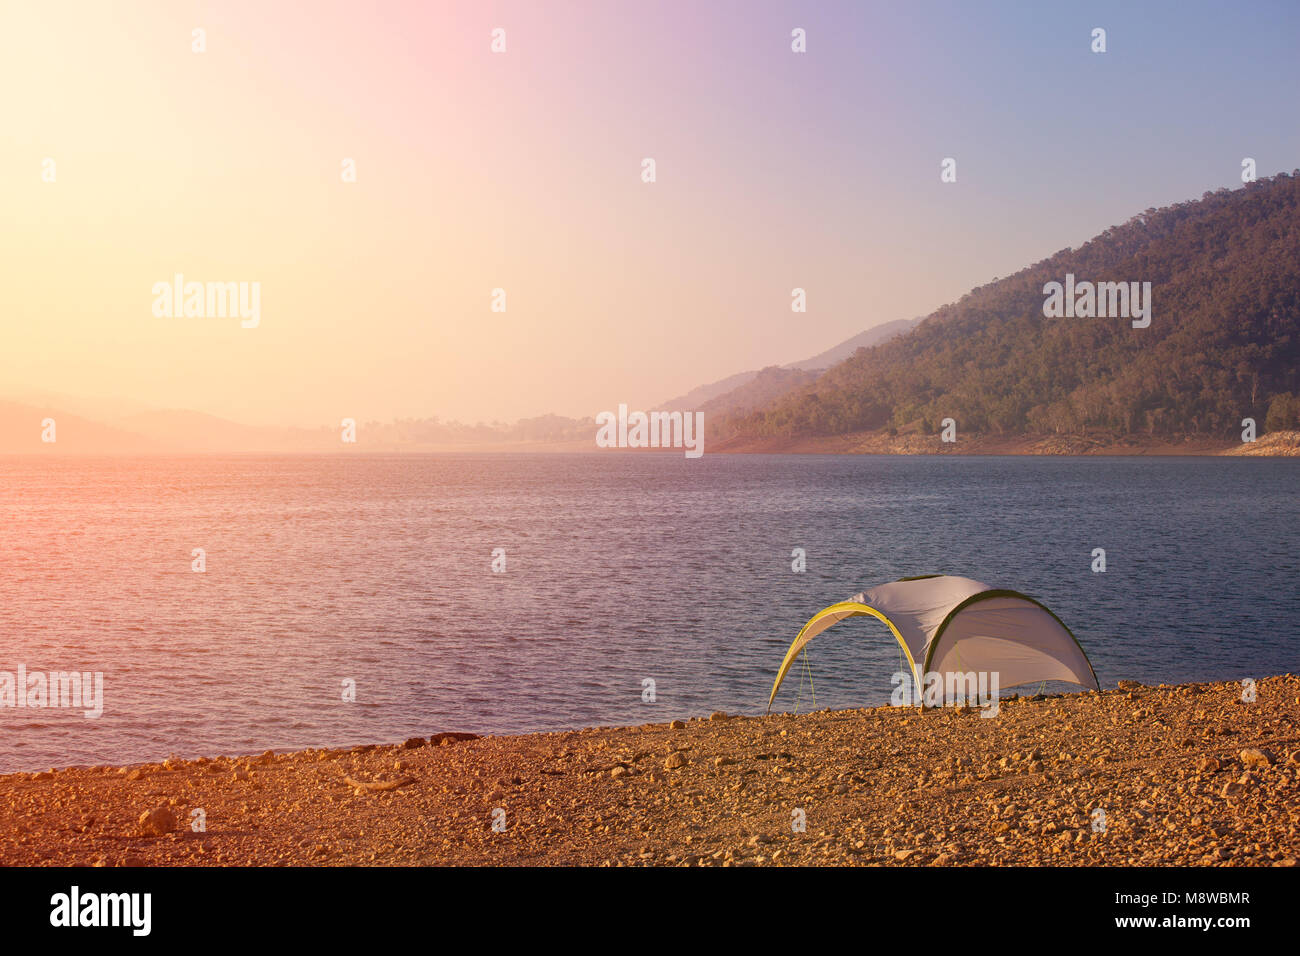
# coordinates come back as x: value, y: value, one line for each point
x: 1186, y: 775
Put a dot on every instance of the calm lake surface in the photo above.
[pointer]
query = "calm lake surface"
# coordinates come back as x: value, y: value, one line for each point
x: 619, y: 568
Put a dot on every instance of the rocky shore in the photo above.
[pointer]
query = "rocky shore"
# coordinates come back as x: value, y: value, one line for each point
x: 1184, y: 775
x: 1274, y: 445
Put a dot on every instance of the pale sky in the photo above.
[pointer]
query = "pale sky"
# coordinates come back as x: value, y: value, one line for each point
x: 522, y: 170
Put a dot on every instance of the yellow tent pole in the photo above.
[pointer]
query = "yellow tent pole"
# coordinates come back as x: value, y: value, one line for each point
x: 841, y: 611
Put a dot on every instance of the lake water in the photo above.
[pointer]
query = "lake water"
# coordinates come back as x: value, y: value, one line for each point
x: 619, y: 568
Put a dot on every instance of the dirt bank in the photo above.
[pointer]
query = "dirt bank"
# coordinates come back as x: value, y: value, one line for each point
x: 1184, y: 775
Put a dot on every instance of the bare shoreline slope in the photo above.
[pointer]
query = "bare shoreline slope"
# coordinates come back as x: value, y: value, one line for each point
x: 1184, y: 775
x: 1283, y: 444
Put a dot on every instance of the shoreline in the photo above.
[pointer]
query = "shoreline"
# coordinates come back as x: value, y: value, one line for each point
x: 1185, y: 775
x: 1271, y: 445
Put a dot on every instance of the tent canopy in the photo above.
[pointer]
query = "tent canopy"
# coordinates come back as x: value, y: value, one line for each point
x: 945, y: 623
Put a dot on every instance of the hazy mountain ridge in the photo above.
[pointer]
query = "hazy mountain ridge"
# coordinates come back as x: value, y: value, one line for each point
x: 863, y: 340
x: 169, y: 431
x: 26, y: 429
x: 713, y: 398
x: 178, y: 431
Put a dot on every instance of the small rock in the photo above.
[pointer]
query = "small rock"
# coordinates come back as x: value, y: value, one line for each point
x: 157, y: 822
x: 677, y: 725
x: 1254, y: 757
x: 412, y: 742
x: 674, y: 761
x: 619, y: 771
x: 450, y: 737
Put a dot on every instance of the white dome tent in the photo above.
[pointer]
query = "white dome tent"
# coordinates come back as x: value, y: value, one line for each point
x: 947, y: 624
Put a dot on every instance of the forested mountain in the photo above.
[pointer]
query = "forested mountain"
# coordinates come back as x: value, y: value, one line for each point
x: 1222, y: 344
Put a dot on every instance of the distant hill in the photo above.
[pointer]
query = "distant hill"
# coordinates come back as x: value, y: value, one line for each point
x: 1223, y: 343
x: 22, y: 427
x: 145, y: 432
x: 179, y: 431
x: 189, y: 431
x: 98, y: 408
x: 747, y: 394
x: 433, y: 432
